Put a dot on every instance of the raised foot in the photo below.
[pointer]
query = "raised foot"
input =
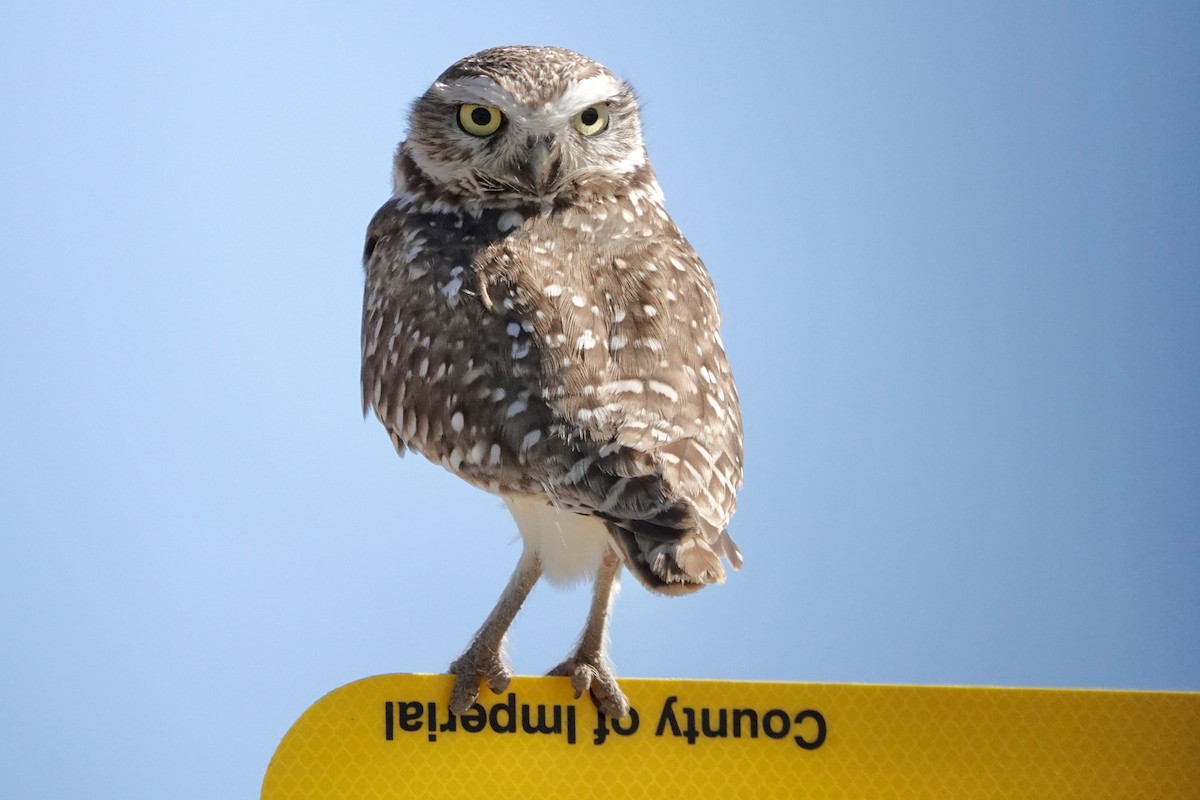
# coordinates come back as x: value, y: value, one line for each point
x: 593, y: 675
x: 469, y: 669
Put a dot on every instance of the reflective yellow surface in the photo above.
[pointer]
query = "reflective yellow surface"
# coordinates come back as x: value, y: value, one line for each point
x: 391, y: 737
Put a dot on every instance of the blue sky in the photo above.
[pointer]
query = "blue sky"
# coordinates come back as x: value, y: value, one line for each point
x: 958, y: 252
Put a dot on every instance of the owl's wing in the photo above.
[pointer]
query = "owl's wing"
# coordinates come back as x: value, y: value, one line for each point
x: 635, y: 376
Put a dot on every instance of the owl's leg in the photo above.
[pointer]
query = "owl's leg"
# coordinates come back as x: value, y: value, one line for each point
x: 484, y: 656
x: 588, y: 666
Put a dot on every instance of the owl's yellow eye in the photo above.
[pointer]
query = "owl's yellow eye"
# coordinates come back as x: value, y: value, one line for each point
x: 479, y: 120
x: 592, y: 120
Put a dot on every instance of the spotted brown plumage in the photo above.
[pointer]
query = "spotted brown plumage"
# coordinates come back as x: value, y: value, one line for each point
x: 535, y: 322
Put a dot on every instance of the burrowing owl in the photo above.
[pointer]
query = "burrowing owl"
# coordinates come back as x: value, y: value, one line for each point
x: 534, y: 321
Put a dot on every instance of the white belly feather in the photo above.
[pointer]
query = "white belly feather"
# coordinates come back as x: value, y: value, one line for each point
x: 569, y: 545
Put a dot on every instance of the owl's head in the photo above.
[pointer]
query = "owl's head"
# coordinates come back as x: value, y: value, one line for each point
x: 525, y: 124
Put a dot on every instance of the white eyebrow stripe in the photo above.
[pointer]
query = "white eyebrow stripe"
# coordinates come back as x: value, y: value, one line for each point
x: 584, y: 93
x: 474, y: 89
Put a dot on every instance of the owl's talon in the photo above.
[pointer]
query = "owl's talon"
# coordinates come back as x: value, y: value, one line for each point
x: 594, y: 676
x: 468, y: 669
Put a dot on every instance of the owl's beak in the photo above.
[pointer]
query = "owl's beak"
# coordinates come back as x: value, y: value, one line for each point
x: 541, y: 163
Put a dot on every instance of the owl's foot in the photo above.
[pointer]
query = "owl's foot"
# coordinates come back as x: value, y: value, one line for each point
x: 590, y: 673
x: 469, y: 668
x: 484, y: 658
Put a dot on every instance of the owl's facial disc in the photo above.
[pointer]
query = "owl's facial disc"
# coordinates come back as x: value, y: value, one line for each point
x: 491, y: 137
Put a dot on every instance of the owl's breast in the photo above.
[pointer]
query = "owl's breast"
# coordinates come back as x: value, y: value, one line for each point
x: 546, y: 354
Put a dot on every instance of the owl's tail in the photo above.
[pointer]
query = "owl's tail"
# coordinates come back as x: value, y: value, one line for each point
x: 672, y: 561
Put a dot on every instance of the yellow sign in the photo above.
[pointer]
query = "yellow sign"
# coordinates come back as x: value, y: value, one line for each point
x: 392, y: 737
